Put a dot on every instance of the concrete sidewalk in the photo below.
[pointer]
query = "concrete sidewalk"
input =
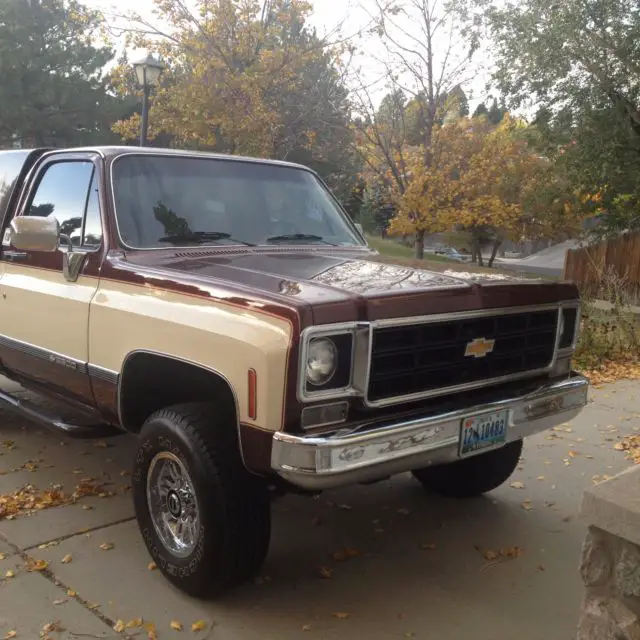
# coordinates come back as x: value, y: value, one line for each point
x: 415, y: 568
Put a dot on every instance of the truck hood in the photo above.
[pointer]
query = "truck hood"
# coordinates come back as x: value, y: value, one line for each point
x: 346, y: 285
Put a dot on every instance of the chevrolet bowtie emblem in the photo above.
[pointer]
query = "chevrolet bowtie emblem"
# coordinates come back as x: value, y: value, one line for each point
x: 479, y: 348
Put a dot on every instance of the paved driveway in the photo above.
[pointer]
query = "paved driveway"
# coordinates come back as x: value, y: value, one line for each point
x: 379, y: 562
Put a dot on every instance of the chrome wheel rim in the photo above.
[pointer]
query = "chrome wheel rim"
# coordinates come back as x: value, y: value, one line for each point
x: 173, y: 505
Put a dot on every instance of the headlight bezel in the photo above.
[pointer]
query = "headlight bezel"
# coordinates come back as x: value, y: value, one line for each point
x: 341, y: 382
x: 566, y: 347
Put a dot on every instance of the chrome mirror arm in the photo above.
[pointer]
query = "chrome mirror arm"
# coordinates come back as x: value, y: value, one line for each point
x: 72, y: 260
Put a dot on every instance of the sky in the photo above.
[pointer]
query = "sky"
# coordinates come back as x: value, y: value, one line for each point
x: 350, y: 16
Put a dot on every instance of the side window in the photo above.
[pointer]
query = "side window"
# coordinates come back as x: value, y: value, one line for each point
x: 92, y: 233
x: 62, y: 192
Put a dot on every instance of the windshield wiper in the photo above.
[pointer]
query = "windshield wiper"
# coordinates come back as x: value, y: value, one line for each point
x: 202, y: 237
x: 300, y: 236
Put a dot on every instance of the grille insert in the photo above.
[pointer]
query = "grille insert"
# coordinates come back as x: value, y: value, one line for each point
x: 426, y: 357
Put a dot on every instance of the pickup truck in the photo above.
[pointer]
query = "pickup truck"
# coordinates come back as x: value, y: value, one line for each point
x: 228, y: 312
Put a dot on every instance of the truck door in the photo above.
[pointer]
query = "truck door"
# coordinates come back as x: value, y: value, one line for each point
x: 44, y: 309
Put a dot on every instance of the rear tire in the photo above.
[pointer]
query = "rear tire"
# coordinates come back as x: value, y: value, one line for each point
x: 204, y: 518
x: 473, y: 476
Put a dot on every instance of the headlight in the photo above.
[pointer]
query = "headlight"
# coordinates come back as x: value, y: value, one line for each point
x: 322, y: 360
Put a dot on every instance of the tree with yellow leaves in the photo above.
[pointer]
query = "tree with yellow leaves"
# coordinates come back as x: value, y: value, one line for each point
x: 244, y: 77
x: 422, y: 48
x: 485, y: 180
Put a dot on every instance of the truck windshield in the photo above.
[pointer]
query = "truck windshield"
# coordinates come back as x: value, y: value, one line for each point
x: 164, y: 201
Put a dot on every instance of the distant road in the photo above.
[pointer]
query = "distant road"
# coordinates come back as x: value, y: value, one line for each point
x: 523, y: 266
x: 548, y: 262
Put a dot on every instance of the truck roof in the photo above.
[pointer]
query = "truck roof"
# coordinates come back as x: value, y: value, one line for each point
x: 112, y: 151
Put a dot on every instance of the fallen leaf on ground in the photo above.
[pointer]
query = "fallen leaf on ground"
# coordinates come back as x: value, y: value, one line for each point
x: 152, y: 566
x: 36, y: 565
x: 150, y: 628
x: 9, y: 574
x: 3, y: 556
x: 526, y: 505
x: 67, y: 559
x: 306, y: 627
x: 52, y: 627
x: 119, y: 626
x: 540, y: 478
x: 199, y: 625
x: 106, y: 546
x: 59, y: 602
x: 325, y: 572
x: 11, y: 634
x: 573, y: 454
x: 341, y: 615
x: 47, y: 545
x: 517, y: 485
x: 133, y: 624
x: 71, y: 593
x: 507, y: 553
x: 176, y: 626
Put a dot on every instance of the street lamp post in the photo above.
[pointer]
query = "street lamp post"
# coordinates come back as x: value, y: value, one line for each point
x: 148, y: 71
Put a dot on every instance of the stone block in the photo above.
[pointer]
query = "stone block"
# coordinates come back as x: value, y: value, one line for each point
x: 596, y: 622
x: 614, y: 505
x: 627, y: 570
x: 597, y: 564
x: 627, y: 625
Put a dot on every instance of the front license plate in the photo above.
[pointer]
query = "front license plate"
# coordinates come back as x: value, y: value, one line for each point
x: 483, y: 432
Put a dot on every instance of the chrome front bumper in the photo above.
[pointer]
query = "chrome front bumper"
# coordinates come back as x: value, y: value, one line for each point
x: 377, y: 451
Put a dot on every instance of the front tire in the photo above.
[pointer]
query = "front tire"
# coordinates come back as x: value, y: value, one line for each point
x: 473, y: 476
x: 204, y: 518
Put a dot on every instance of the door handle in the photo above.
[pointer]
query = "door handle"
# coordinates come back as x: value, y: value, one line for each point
x: 15, y: 255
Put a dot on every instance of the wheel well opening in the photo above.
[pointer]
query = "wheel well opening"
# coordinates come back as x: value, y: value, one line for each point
x: 151, y: 382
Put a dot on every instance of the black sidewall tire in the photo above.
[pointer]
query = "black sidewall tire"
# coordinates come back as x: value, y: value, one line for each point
x: 215, y: 564
x: 472, y: 477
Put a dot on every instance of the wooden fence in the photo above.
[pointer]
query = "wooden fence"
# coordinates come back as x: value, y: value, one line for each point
x: 594, y: 266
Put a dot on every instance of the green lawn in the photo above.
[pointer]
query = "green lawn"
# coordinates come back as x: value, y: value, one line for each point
x: 396, y: 253
x: 393, y: 249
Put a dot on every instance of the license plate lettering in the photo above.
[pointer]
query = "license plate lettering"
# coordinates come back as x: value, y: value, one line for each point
x: 483, y: 432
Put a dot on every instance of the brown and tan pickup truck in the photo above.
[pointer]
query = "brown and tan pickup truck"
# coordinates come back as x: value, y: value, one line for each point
x: 229, y: 312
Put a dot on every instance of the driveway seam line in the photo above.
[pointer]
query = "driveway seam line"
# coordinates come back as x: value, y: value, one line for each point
x: 49, y: 575
x: 68, y: 536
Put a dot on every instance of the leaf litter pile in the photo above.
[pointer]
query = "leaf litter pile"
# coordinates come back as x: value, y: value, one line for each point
x: 613, y: 371
x: 29, y: 499
x: 631, y: 446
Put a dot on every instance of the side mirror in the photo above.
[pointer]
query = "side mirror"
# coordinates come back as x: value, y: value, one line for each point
x: 33, y: 233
